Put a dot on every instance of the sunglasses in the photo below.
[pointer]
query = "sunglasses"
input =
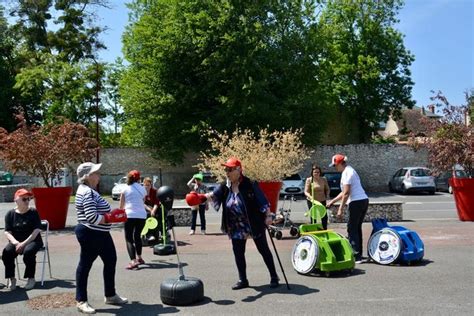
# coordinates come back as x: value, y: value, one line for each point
x: 227, y: 169
x: 26, y: 199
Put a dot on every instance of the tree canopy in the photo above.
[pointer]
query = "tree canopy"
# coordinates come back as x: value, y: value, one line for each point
x: 281, y: 64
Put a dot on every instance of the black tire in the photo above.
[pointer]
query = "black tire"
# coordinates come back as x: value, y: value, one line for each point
x: 164, y: 249
x: 404, y: 191
x: 272, y: 233
x: 278, y: 235
x: 178, y: 292
x: 390, y: 188
x: 293, y: 231
x: 431, y: 192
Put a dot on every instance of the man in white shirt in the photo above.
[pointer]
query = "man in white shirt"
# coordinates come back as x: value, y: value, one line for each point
x: 354, y: 195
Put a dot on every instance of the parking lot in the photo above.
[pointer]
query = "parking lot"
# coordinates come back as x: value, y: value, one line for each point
x: 442, y: 284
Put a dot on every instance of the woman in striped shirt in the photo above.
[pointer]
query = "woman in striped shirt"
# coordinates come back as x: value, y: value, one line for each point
x: 93, y: 234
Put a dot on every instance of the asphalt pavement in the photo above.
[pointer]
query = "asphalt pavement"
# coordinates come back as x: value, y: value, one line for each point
x: 443, y: 283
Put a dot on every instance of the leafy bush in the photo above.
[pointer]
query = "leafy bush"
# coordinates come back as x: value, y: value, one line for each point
x: 266, y: 156
x: 41, y: 151
x: 450, y: 140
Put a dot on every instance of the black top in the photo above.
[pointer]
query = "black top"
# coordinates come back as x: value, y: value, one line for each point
x: 22, y: 225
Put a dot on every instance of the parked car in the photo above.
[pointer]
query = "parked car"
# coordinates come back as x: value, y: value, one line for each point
x: 334, y: 182
x: 442, y: 183
x: 118, y: 188
x: 293, y: 184
x: 412, y: 179
x: 210, y: 181
x: 6, y: 178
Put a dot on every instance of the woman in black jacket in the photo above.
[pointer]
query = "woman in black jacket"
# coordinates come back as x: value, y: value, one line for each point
x: 245, y: 213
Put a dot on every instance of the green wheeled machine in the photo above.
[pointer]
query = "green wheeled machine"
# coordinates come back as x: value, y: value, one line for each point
x: 319, y: 250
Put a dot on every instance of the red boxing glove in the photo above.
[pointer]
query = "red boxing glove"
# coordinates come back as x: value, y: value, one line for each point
x: 115, y: 216
x: 194, y: 198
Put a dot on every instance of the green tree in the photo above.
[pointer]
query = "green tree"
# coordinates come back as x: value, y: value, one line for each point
x: 201, y: 64
x: 365, y: 61
x: 58, y: 73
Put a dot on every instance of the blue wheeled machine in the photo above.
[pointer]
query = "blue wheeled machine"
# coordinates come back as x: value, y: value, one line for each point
x: 394, y: 244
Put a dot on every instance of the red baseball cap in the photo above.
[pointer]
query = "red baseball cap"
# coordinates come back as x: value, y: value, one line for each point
x: 135, y: 174
x: 22, y: 192
x: 337, y: 159
x: 232, y: 162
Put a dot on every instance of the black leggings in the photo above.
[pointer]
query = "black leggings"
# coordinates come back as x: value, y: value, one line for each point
x: 324, y: 219
x: 238, y: 246
x: 29, y: 258
x: 133, y: 229
x: 357, y: 211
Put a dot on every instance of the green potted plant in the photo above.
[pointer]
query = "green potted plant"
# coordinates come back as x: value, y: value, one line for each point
x: 266, y: 157
x: 450, y: 143
x: 41, y: 151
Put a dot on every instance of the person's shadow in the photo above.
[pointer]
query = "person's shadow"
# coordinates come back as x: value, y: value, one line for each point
x: 19, y: 294
x: 295, y: 289
x: 137, y: 308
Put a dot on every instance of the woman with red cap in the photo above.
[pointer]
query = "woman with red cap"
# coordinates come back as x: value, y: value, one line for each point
x: 132, y: 200
x: 353, y: 194
x: 245, y: 213
x: 22, y: 229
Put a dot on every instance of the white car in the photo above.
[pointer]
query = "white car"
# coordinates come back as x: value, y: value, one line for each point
x: 209, y: 181
x: 293, y: 184
x: 412, y: 179
x: 118, y: 188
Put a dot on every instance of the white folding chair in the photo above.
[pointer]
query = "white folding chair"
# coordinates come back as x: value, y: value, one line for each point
x: 44, y: 249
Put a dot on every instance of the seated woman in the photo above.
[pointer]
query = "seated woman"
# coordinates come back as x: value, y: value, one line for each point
x: 22, y: 229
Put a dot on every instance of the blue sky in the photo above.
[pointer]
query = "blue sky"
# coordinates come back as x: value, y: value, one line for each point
x: 440, y: 33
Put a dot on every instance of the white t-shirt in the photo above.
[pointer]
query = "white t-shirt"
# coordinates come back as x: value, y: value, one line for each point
x: 134, y: 201
x: 349, y: 176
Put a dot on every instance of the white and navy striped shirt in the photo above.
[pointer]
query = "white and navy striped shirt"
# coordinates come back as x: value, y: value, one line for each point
x: 90, y: 207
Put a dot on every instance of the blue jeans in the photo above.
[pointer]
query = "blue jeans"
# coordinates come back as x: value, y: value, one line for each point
x: 95, y: 244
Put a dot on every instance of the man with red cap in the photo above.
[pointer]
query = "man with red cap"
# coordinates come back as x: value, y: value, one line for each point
x: 22, y: 229
x: 353, y: 194
x: 245, y: 213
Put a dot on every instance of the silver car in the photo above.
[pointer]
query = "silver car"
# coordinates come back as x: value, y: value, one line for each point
x: 412, y: 179
x: 118, y: 188
x: 293, y: 184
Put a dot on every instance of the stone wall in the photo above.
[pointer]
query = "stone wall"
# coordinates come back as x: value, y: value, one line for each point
x: 391, y: 211
x: 374, y: 163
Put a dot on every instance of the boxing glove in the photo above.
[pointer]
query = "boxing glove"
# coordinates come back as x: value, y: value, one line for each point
x: 115, y: 216
x: 194, y: 198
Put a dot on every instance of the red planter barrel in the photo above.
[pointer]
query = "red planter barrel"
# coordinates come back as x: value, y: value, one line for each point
x: 272, y: 192
x: 52, y: 204
x: 463, y: 191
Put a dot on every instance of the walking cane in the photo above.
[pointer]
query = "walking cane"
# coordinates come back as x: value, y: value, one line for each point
x: 278, y: 257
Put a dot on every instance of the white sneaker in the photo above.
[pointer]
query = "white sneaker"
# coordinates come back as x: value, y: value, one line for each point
x: 85, y: 308
x: 115, y: 300
x: 191, y: 232
x: 203, y: 232
x: 30, y: 284
x: 11, y: 284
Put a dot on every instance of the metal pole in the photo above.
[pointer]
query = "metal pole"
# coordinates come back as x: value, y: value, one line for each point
x: 278, y: 257
x: 97, y: 112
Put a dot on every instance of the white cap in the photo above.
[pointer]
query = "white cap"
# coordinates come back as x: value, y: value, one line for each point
x: 87, y: 168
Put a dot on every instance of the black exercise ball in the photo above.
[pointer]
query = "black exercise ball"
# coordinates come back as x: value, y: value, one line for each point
x: 166, y: 196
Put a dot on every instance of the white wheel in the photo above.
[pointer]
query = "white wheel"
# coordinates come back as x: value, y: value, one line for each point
x: 384, y: 246
x: 305, y: 254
